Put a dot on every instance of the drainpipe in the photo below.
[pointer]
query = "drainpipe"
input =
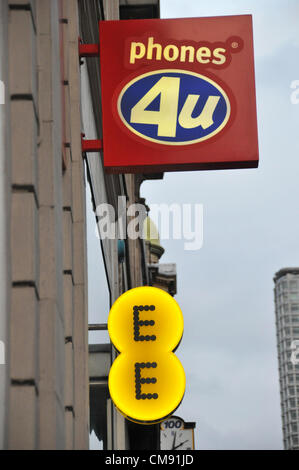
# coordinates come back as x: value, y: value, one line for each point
x: 4, y: 218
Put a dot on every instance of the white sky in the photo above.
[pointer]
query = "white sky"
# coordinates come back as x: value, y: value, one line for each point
x: 251, y: 230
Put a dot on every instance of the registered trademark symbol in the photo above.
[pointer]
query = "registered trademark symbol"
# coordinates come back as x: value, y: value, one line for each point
x: 235, y: 45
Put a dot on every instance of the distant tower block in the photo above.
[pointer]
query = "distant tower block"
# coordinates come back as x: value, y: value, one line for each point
x: 287, y: 327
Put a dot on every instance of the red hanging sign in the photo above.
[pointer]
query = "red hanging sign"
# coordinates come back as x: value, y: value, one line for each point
x: 178, y: 94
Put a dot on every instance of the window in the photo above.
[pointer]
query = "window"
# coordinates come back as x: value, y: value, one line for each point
x: 292, y: 402
x: 294, y: 427
x: 293, y: 285
x: 293, y: 296
x: 294, y: 307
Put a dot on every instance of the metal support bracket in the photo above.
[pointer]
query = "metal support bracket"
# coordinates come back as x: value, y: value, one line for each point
x: 95, y: 145
x: 88, y: 50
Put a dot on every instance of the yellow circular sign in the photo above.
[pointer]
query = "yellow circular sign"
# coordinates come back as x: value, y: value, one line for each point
x: 146, y: 381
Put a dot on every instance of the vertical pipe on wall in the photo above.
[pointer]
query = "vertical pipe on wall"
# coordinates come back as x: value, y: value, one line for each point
x: 4, y: 218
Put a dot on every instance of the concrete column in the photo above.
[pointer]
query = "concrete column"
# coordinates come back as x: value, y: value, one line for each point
x: 77, y: 418
x: 51, y: 229
x: 22, y: 400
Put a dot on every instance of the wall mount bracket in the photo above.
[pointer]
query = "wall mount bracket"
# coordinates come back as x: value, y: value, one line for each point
x: 88, y: 50
x: 94, y: 145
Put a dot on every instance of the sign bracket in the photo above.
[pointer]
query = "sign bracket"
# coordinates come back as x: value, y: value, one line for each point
x: 94, y: 145
x: 89, y: 50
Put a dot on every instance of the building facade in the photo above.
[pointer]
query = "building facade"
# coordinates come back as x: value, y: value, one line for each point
x: 126, y: 261
x: 286, y: 293
x: 45, y: 375
x: 53, y: 384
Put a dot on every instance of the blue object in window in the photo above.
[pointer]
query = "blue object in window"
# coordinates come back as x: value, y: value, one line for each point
x: 121, y: 248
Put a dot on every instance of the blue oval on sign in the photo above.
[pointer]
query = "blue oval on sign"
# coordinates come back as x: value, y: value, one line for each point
x: 174, y: 107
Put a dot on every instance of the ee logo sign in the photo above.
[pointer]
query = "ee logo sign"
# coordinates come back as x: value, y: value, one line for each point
x: 174, y: 107
x: 146, y: 380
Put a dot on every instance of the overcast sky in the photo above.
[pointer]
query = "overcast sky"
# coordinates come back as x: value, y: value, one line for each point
x: 251, y: 230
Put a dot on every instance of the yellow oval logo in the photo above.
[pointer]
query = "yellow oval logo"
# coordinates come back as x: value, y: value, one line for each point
x: 146, y: 381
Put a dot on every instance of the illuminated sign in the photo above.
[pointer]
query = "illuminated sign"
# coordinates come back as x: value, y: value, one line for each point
x: 178, y: 94
x: 146, y: 381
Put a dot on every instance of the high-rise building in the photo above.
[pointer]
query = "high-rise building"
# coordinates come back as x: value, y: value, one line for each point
x: 287, y: 325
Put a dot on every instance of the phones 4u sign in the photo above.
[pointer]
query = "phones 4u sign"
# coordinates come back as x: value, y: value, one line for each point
x: 178, y: 94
